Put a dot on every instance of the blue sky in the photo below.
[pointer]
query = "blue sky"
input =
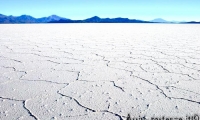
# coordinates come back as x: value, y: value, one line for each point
x: 81, y: 9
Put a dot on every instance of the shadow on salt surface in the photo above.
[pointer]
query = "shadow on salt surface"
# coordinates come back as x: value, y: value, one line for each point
x: 8, y: 107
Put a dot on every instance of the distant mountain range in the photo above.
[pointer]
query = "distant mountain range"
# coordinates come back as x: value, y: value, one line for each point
x: 28, y: 19
x: 97, y: 19
x: 160, y: 20
x: 57, y: 19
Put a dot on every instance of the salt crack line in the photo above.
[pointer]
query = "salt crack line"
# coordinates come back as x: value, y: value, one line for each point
x: 103, y: 58
x: 163, y: 67
x: 77, y: 115
x: 10, y: 99
x: 92, y: 110
x: 53, y: 61
x: 142, y: 68
x: 15, y: 70
x: 78, y: 74
x: 76, y: 101
x: 48, y: 81
x: 117, y: 86
x: 180, y: 89
x: 157, y: 63
x: 165, y: 93
x: 173, y: 56
x: 24, y: 106
x: 16, y: 60
x: 119, y: 116
x: 29, y: 112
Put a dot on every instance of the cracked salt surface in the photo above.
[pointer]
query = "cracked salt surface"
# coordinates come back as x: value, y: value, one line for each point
x: 98, y: 71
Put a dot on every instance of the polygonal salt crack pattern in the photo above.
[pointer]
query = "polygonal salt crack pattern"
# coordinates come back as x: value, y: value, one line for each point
x: 99, y: 71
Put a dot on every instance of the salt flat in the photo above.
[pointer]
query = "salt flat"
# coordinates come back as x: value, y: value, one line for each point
x: 99, y: 71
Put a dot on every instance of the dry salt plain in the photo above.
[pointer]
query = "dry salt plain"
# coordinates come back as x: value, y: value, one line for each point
x: 99, y: 71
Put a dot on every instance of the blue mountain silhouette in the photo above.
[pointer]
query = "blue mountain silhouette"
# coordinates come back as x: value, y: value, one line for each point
x: 28, y: 19
x: 95, y: 19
